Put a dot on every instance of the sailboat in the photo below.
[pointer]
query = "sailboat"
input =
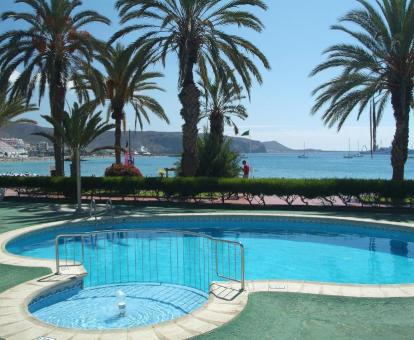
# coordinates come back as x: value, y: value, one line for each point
x: 303, y: 156
x: 349, y: 155
x: 358, y: 154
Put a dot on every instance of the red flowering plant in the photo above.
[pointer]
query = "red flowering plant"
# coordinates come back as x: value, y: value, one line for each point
x: 121, y: 170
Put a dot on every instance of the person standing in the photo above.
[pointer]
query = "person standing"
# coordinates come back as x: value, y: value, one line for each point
x: 246, y: 169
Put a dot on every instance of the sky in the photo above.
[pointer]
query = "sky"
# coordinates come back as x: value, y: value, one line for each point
x: 295, y: 35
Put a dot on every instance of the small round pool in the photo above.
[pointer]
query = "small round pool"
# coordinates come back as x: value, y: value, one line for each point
x: 278, y: 248
x: 96, y: 308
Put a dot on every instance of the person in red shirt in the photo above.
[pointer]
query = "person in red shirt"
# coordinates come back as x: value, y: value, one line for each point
x: 246, y: 169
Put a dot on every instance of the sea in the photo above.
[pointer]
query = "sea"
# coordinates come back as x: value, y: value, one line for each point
x: 281, y: 165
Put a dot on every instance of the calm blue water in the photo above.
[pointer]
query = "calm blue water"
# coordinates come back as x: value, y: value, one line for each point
x: 288, y: 165
x: 275, y: 249
x: 149, y: 166
x: 97, y: 307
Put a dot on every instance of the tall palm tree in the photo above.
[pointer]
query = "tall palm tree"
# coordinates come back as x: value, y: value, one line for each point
x: 78, y: 127
x: 380, y: 61
x: 222, y: 103
x: 11, y: 108
x: 193, y: 29
x: 49, y: 51
x: 126, y: 81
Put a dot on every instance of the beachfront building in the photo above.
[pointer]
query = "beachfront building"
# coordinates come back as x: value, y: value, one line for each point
x: 13, y: 148
x: 42, y: 147
x: 16, y: 143
x: 6, y: 150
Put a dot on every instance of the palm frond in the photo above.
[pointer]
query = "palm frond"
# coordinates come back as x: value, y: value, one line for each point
x: 164, y: 28
x: 377, y: 62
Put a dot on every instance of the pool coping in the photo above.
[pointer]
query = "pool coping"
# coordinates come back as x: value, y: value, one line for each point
x: 224, y: 304
x: 16, y: 322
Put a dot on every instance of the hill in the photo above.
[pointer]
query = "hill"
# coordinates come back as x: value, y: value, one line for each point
x: 275, y: 147
x: 158, y: 143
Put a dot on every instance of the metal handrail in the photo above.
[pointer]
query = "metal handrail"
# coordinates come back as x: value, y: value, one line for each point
x: 109, y: 207
x: 92, y: 208
x: 217, y: 241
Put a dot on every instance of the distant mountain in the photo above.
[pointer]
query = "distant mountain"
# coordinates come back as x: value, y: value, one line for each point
x: 24, y: 132
x: 274, y: 147
x: 158, y: 143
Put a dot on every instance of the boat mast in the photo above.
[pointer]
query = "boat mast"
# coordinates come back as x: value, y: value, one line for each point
x: 129, y: 141
x: 371, y: 131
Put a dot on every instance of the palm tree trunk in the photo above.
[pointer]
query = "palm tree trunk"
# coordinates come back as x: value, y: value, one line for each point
x: 117, y: 145
x: 190, y: 100
x: 216, y: 128
x: 57, y: 97
x: 78, y: 181
x: 73, y: 166
x: 56, y: 112
x: 401, y: 100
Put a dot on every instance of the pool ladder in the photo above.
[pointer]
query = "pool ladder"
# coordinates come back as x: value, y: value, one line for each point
x: 109, y: 208
x: 92, y: 209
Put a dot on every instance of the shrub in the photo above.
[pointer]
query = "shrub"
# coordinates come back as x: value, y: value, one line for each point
x: 217, y: 160
x: 121, y: 170
x: 191, y: 187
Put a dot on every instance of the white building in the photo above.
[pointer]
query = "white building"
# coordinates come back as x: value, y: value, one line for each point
x: 13, y: 148
x: 16, y: 143
x: 7, y: 150
x: 42, y: 147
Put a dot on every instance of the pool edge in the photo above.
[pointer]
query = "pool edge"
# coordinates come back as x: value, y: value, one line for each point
x: 217, y: 312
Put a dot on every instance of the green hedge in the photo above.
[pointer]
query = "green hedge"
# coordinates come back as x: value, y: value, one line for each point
x: 190, y: 187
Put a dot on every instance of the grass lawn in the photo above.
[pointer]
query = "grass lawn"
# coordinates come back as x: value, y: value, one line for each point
x: 19, y: 215
x: 12, y: 275
x: 299, y: 316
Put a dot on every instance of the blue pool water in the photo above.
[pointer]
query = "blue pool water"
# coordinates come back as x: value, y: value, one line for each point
x: 97, y: 307
x: 275, y: 248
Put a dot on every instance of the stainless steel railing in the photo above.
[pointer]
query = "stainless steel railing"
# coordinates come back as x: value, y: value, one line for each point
x: 92, y: 209
x: 109, y: 207
x: 140, y: 255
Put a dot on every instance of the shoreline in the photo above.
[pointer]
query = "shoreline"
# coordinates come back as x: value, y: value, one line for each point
x: 51, y: 158
x: 39, y: 158
x: 26, y: 159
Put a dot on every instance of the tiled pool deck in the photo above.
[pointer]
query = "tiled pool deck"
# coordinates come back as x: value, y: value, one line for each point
x: 225, y: 302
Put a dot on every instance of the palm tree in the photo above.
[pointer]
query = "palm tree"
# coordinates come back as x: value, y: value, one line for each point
x: 381, y: 61
x: 50, y: 50
x: 11, y: 108
x: 193, y: 29
x: 222, y: 103
x: 126, y: 82
x: 78, y: 128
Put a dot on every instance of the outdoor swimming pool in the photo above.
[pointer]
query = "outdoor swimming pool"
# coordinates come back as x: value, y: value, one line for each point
x: 96, y: 308
x: 275, y: 248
